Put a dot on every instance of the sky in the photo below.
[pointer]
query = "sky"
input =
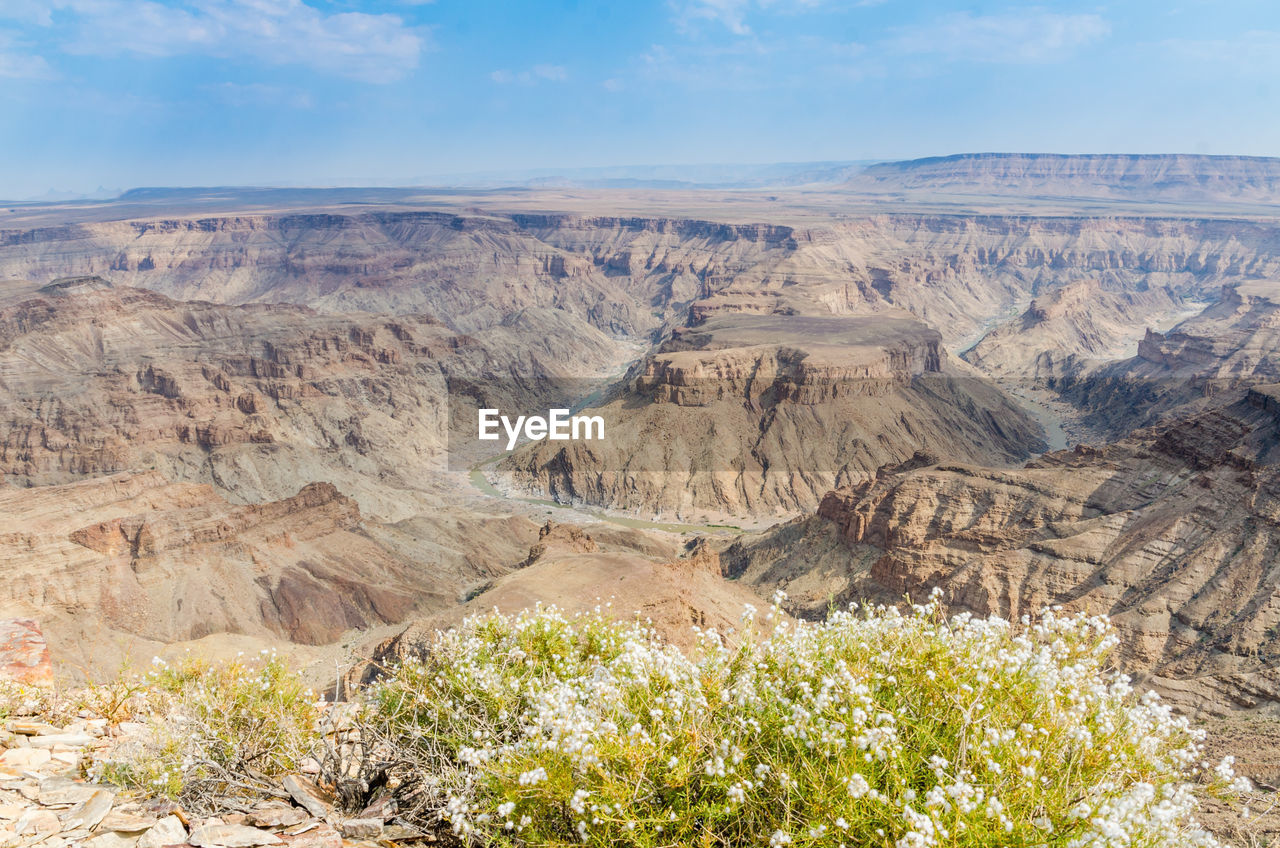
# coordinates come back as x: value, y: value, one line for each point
x: 127, y: 93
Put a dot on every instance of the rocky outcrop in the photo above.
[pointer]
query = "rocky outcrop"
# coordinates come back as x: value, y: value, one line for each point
x: 672, y: 594
x: 559, y: 538
x: 758, y: 416
x: 1233, y: 343
x: 130, y: 562
x: 1174, y: 532
x: 1074, y: 329
x: 258, y: 400
x: 24, y: 656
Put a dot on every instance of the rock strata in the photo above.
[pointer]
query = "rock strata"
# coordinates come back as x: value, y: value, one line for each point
x: 1174, y: 532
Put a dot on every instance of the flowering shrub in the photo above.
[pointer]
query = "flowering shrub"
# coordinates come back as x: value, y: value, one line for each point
x: 21, y: 699
x: 874, y: 728
x: 214, y: 731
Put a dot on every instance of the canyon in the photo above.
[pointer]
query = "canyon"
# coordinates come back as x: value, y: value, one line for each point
x: 234, y: 419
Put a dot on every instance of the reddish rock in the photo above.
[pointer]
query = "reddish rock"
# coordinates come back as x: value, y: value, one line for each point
x: 24, y: 656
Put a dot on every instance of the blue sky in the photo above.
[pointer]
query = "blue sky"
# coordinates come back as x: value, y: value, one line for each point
x: 125, y: 93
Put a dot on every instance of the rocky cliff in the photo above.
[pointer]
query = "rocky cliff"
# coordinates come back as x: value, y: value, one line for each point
x: 1233, y: 343
x: 754, y: 416
x: 1074, y: 329
x: 1174, y: 532
x: 130, y: 562
x: 258, y: 399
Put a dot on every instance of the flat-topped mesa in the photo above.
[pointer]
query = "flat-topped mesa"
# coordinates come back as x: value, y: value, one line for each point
x: 860, y: 356
x: 1146, y: 176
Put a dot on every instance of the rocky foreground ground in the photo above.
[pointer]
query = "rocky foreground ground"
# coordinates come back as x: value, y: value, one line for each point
x: 46, y: 800
x: 49, y: 798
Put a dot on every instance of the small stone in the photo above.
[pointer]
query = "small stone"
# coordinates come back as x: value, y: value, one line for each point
x: 276, y: 815
x: 61, y: 792
x: 12, y: 812
x: 34, y: 728
x: 168, y: 831
x: 382, y: 809
x: 38, y: 821
x: 71, y: 740
x: 126, y: 823
x: 401, y: 833
x: 162, y: 808
x: 311, y: 797
x: 25, y: 758
x: 319, y: 836
x: 90, y: 811
x: 231, y: 836
x: 361, y: 828
x: 111, y: 840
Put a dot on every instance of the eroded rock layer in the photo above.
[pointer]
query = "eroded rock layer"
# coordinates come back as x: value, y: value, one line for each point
x: 1173, y: 531
x: 747, y: 415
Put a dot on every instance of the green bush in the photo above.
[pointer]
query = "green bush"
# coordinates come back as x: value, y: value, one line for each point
x: 216, y: 731
x: 874, y: 728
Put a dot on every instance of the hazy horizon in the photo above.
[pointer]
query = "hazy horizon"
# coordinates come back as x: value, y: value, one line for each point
x: 118, y: 94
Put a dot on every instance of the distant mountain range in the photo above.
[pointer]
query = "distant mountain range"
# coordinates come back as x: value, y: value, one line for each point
x: 1176, y: 178
x: 1179, y: 177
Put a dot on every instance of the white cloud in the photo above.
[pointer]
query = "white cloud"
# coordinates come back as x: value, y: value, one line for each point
x: 16, y: 63
x: 732, y: 14
x: 18, y: 66
x: 369, y: 47
x: 27, y: 11
x: 1033, y: 35
x: 536, y: 74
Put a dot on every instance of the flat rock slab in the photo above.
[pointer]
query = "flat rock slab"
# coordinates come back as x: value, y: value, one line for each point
x: 310, y: 797
x: 276, y: 815
x: 322, y: 836
x: 70, y: 740
x: 126, y: 823
x: 24, y: 655
x: 34, y: 728
x: 61, y: 792
x: 25, y: 758
x: 110, y: 840
x: 231, y: 836
x: 91, y: 810
x: 362, y: 828
x: 168, y: 831
x: 38, y: 821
